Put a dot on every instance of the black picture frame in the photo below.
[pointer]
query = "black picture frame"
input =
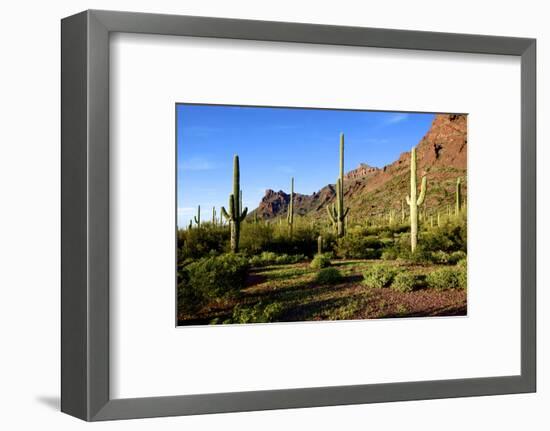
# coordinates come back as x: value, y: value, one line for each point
x: 85, y: 214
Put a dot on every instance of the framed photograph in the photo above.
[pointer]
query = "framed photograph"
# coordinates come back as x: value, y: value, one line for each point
x: 265, y: 215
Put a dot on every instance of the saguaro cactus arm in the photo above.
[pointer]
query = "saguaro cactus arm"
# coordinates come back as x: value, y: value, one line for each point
x: 224, y: 213
x: 346, y: 212
x: 422, y: 196
x: 331, y: 210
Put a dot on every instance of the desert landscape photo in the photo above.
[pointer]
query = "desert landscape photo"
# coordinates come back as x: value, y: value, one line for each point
x: 295, y: 214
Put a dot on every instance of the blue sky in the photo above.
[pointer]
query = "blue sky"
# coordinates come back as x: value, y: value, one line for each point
x: 275, y: 144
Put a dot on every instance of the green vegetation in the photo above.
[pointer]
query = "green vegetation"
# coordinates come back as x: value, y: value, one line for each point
x: 407, y: 281
x: 269, y: 258
x: 379, y: 275
x: 447, y: 278
x: 211, y: 279
x: 357, y: 245
x: 258, y: 313
x: 329, y: 276
x: 320, y: 261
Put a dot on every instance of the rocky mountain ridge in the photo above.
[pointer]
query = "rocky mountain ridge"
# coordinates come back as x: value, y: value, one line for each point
x: 371, y: 191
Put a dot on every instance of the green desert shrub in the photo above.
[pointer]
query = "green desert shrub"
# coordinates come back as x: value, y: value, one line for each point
x: 320, y: 261
x: 255, y: 237
x: 258, y: 313
x: 401, y: 249
x: 328, y: 276
x: 357, y: 246
x: 462, y: 278
x: 449, y: 237
x: 197, y: 243
x: 389, y: 254
x: 269, y: 258
x: 462, y: 268
x: 303, y: 241
x: 285, y: 259
x: 447, y: 278
x: 406, y: 281
x: 189, y: 300
x: 265, y: 258
x: 456, y: 256
x: 218, y: 277
x: 379, y: 275
x: 403, y: 252
x: 440, y: 256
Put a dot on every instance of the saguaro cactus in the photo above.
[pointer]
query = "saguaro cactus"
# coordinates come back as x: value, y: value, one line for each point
x: 190, y: 224
x: 391, y: 217
x: 458, y: 197
x: 235, y: 215
x: 213, y: 216
x: 290, y: 214
x: 197, y: 218
x: 337, y: 213
x: 414, y: 202
x: 319, y: 244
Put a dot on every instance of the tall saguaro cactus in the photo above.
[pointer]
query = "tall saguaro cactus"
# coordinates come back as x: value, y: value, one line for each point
x: 235, y: 215
x: 414, y: 201
x: 337, y: 213
x: 198, y: 217
x: 290, y: 215
x: 458, y: 197
x: 391, y: 217
x: 213, y: 216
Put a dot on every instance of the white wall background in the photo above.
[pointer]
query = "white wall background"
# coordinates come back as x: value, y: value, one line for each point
x: 29, y: 216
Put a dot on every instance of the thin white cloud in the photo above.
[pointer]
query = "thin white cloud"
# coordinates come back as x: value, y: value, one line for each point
x: 197, y: 164
x: 395, y: 118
